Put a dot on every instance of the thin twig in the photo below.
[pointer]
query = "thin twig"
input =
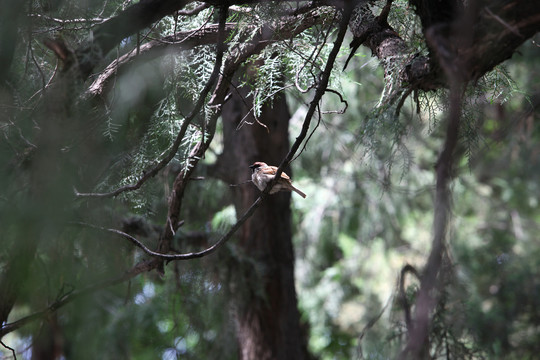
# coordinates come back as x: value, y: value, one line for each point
x: 10, y: 349
x: 342, y: 111
x: 314, y: 55
x: 319, y: 92
x: 402, y: 100
x: 243, y: 121
x: 46, y: 85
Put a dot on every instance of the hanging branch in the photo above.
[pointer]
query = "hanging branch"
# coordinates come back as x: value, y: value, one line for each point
x: 182, y: 40
x: 146, y: 250
x: 187, y: 121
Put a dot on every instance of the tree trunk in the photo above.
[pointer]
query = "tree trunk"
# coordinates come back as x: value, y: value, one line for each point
x: 264, y: 298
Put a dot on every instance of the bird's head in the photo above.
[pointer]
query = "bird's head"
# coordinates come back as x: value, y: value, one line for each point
x: 257, y: 165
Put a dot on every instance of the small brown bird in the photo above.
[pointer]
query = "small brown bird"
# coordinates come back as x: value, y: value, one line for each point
x: 263, y: 174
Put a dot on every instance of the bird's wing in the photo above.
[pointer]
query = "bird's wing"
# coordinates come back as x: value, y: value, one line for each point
x: 272, y: 170
x: 269, y: 170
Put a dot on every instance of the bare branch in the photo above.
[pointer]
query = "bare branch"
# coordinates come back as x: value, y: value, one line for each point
x: 341, y: 99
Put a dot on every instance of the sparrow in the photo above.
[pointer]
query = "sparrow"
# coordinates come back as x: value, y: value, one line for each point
x: 262, y: 174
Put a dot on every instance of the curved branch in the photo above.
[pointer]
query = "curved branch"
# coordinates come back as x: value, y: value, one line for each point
x: 153, y: 49
x: 112, y: 31
x: 403, y: 296
x: 341, y: 99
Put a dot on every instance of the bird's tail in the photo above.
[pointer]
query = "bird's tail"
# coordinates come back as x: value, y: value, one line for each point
x: 299, y: 192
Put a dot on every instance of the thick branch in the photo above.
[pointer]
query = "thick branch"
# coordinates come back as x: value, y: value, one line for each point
x: 501, y: 28
x: 111, y: 32
x: 153, y: 49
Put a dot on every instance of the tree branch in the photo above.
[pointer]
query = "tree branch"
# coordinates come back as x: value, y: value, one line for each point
x: 418, y: 341
x: 321, y: 89
x: 182, y: 40
x: 112, y: 31
x: 68, y: 21
x: 502, y: 22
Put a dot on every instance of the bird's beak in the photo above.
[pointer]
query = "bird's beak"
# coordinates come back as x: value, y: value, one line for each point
x: 252, y: 167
